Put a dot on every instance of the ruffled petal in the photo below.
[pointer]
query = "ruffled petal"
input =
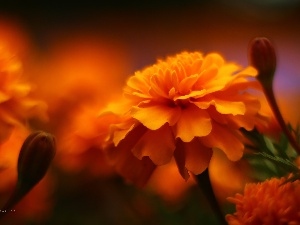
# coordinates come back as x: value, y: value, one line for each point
x: 249, y: 119
x: 186, y: 85
x: 191, y: 156
x: 197, y: 156
x: 126, y: 144
x: 158, y: 145
x: 227, y: 107
x: 212, y: 59
x: 193, y: 122
x: 133, y: 169
x: 158, y: 87
x: 225, y: 139
x: 179, y: 156
x: 192, y: 94
x: 137, y: 83
x: 155, y: 116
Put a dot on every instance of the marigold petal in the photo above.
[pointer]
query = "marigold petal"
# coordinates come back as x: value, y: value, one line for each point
x: 186, y: 85
x: 131, y: 168
x: 249, y: 119
x: 197, y: 156
x: 159, y: 114
x: 227, y: 107
x: 158, y: 145
x: 191, y: 156
x: 205, y: 77
x: 120, y: 134
x: 157, y: 87
x: 222, y: 106
x: 138, y: 82
x: 225, y: 139
x: 249, y: 71
x: 229, y: 69
x: 120, y: 129
x: 193, y: 122
x: 192, y: 94
x: 179, y: 156
x: 212, y: 59
x: 126, y: 144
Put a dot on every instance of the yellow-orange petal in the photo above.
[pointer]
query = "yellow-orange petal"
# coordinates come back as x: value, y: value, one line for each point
x: 227, y: 107
x: 157, y: 144
x: 193, y: 122
x: 212, y: 59
x: 225, y: 139
x: 186, y: 85
x: 137, y: 82
x: 248, y: 71
x: 222, y: 106
x: 159, y: 114
x: 205, y: 77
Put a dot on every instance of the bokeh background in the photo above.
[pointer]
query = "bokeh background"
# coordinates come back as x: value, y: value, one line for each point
x: 78, y: 56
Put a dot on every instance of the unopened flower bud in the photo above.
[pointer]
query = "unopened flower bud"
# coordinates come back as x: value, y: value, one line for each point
x: 262, y: 56
x: 35, y: 157
x: 36, y: 154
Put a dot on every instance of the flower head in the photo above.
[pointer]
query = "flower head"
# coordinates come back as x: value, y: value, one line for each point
x: 269, y: 202
x: 183, y: 107
x: 15, y: 104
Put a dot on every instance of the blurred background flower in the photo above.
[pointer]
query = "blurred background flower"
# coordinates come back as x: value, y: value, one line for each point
x: 79, y: 54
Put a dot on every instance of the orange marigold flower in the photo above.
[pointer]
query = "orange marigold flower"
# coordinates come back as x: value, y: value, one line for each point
x: 183, y: 107
x: 15, y: 104
x: 270, y: 202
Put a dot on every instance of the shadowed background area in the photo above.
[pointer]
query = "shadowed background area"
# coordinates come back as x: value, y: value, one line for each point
x: 153, y: 29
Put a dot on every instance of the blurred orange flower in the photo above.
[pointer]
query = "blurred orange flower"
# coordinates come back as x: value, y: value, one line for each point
x: 15, y: 103
x: 270, y: 202
x: 76, y: 78
x: 80, y: 143
x: 183, y: 107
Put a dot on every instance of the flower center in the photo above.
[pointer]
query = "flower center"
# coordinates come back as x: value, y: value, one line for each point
x: 182, y: 103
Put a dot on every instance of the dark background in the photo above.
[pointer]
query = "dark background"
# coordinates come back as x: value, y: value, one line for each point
x: 155, y: 29
x: 150, y: 30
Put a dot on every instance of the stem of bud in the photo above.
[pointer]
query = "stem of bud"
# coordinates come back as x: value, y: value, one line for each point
x: 263, y: 58
x: 35, y: 157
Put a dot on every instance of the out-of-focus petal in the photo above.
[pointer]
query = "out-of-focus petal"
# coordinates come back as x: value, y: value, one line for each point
x: 160, y: 152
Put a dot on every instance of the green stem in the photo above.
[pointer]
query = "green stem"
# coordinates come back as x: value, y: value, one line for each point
x: 206, y: 187
x: 272, y: 101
